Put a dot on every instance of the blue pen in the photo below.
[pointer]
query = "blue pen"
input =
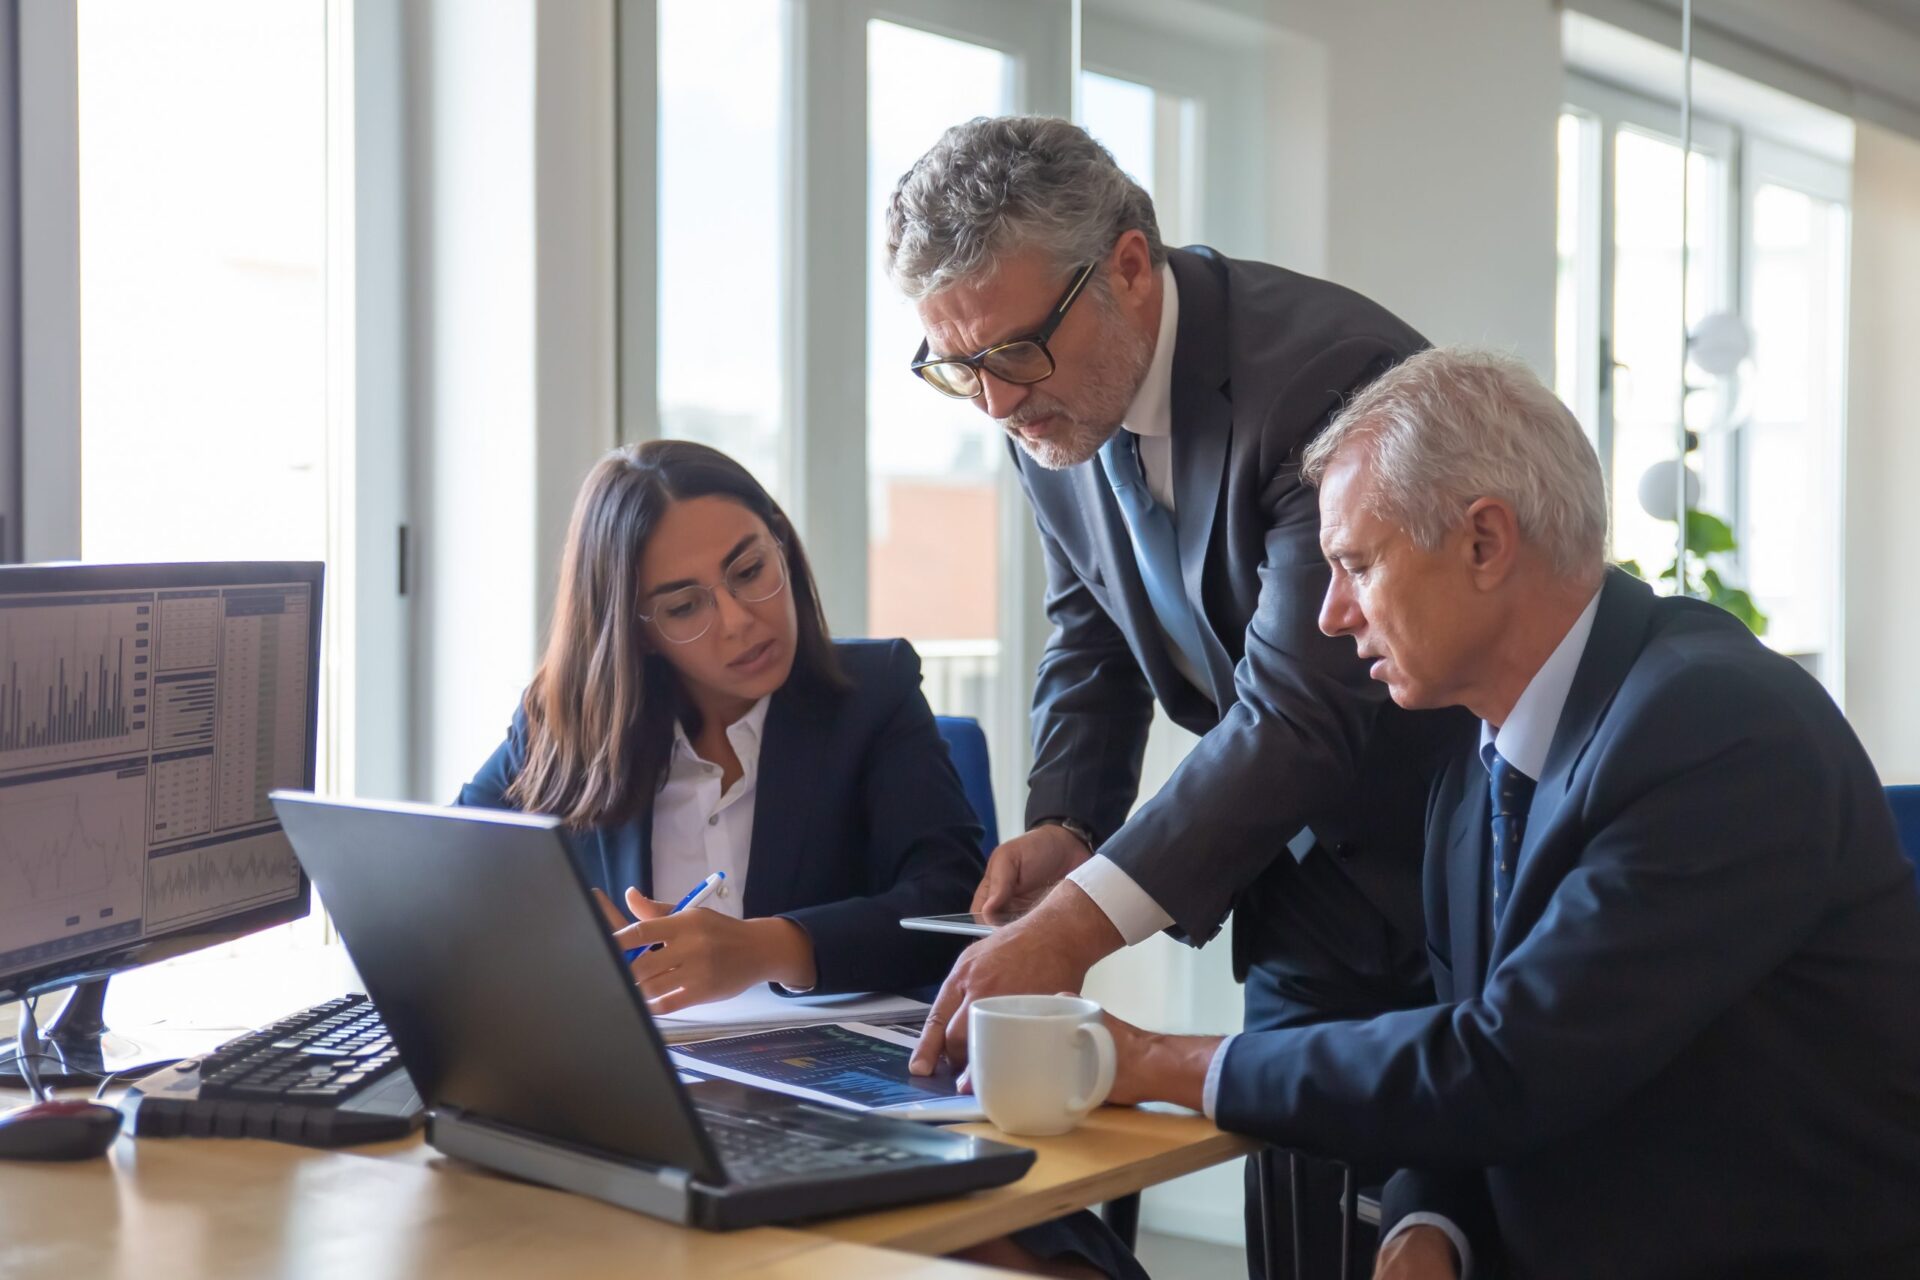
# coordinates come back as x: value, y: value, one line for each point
x: 694, y: 897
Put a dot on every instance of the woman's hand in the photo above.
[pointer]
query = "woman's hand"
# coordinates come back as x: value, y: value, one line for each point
x: 700, y: 955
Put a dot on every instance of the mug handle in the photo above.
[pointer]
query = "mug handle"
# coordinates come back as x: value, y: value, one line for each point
x: 1101, y: 1039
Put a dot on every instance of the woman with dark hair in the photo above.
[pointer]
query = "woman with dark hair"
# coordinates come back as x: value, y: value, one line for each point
x: 691, y: 715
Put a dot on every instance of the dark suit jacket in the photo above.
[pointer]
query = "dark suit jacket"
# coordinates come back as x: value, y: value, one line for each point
x: 1293, y: 731
x: 858, y: 820
x: 1692, y: 1048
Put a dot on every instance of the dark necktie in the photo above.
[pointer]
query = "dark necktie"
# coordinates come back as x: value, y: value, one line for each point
x: 1512, y: 792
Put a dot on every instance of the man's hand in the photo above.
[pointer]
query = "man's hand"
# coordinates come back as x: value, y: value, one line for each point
x: 1022, y: 870
x: 1149, y: 1067
x: 1049, y: 949
x: 1419, y: 1253
x: 700, y: 955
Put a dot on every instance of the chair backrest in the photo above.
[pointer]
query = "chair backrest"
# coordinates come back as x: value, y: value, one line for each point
x: 968, y: 747
x: 1905, y: 803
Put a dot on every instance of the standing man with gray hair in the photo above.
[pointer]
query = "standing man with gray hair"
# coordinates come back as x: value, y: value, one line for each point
x: 1675, y: 942
x: 1157, y: 402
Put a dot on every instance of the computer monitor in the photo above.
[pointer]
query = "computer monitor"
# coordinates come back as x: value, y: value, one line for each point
x: 145, y: 712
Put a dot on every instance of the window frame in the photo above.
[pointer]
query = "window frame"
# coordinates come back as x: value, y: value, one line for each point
x: 1748, y: 158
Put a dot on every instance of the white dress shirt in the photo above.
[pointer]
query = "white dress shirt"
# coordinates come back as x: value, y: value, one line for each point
x: 1528, y: 733
x: 1524, y: 741
x: 1150, y: 417
x: 698, y: 830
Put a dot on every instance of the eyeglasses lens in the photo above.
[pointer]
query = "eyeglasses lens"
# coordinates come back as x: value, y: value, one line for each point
x: 957, y: 380
x: 759, y: 574
x: 1019, y: 362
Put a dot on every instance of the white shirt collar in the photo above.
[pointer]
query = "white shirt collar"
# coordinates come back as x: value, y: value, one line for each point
x: 1151, y: 413
x: 1528, y: 733
x: 743, y: 733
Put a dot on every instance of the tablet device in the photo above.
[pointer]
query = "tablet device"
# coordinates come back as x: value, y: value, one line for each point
x: 967, y: 922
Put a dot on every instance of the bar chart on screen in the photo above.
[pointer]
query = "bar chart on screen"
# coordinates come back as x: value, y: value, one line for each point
x: 73, y: 678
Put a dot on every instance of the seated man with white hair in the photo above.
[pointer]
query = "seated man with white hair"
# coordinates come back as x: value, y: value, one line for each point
x: 1675, y: 942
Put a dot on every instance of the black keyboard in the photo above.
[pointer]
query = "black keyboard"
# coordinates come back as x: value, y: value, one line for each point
x: 756, y: 1149
x: 324, y: 1077
x: 323, y: 1055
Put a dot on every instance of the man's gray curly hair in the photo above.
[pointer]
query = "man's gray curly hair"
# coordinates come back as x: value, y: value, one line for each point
x: 993, y: 186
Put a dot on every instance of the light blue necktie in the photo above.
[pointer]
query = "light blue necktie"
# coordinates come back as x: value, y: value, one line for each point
x: 1512, y: 793
x: 1156, y: 548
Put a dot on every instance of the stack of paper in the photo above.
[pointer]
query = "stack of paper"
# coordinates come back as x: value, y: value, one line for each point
x: 759, y: 1009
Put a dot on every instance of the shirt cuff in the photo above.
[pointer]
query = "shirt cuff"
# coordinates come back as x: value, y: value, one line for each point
x: 1454, y: 1234
x: 1136, y: 915
x: 1210, y: 1091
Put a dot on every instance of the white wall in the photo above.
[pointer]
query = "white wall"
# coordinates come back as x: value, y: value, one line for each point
x: 1438, y: 181
x: 1883, y: 453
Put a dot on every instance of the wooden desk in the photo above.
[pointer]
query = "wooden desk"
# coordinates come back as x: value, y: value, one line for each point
x: 1117, y: 1151
x: 162, y: 1208
x: 205, y: 1209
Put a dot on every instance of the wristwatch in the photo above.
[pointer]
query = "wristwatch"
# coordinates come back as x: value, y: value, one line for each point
x: 1078, y: 830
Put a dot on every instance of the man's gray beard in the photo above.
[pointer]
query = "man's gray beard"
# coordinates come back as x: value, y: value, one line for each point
x: 1112, y: 383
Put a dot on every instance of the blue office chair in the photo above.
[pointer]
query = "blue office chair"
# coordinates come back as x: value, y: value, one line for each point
x: 968, y: 747
x: 1905, y: 803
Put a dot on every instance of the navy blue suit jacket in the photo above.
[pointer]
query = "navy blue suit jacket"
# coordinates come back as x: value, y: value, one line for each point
x: 858, y: 820
x: 1692, y: 1047
x: 1293, y: 733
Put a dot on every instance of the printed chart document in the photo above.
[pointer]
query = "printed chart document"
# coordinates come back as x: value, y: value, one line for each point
x: 759, y: 1009
x: 851, y: 1064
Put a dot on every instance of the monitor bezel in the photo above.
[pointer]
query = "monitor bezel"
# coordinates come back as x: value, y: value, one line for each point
x: 49, y: 578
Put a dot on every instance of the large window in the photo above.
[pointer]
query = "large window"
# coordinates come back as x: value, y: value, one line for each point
x: 1154, y: 136
x: 1790, y: 445
x: 211, y: 405
x: 1767, y: 231
x: 203, y: 244
x: 722, y: 213
x: 768, y: 326
x: 933, y: 501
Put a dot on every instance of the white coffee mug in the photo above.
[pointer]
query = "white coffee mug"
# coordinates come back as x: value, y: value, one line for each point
x: 1038, y: 1064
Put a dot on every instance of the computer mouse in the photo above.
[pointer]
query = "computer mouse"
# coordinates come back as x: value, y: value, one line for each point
x: 58, y: 1130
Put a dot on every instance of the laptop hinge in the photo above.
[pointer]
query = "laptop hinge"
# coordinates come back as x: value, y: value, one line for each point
x: 658, y: 1191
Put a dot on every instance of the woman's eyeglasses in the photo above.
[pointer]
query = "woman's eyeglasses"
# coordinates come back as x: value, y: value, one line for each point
x: 1021, y: 361
x: 756, y: 575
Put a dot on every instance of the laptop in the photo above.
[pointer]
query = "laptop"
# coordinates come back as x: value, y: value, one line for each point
x: 511, y: 1009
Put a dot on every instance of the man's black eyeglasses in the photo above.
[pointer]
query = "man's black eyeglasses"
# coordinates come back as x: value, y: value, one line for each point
x: 1020, y: 360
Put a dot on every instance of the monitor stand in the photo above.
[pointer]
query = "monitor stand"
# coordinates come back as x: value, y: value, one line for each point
x: 76, y: 1047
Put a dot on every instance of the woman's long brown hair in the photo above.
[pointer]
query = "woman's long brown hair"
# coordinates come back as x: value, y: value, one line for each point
x: 601, y: 708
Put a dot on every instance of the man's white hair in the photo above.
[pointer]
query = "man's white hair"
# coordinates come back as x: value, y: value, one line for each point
x: 1453, y: 424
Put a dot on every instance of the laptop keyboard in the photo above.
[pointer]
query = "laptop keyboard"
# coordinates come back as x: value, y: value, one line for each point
x: 756, y: 1149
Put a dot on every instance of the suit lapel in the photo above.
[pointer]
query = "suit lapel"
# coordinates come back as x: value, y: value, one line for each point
x: 1469, y: 840
x: 1618, y: 635
x: 1202, y: 429
x: 780, y: 808
x: 646, y: 850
